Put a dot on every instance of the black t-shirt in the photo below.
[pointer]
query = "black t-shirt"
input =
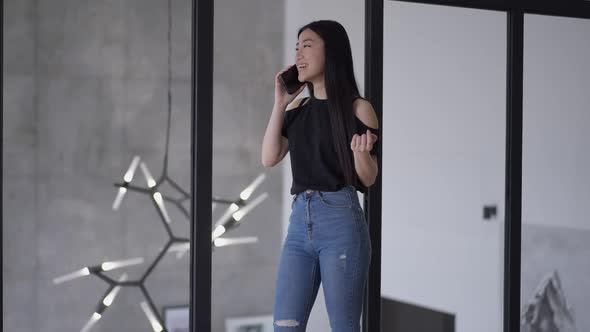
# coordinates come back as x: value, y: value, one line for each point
x: 314, y: 162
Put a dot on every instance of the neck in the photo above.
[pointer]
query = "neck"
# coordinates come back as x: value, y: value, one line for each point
x: 319, y: 89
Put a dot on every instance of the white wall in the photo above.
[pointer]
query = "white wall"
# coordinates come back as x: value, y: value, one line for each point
x: 443, y: 160
x: 350, y: 14
x: 556, y: 139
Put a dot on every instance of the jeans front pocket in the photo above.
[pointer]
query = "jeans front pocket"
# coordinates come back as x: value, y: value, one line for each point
x: 335, y: 199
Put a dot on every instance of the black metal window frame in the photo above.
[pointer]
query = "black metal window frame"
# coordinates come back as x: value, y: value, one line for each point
x: 202, y: 139
x: 2, y: 164
x: 515, y: 9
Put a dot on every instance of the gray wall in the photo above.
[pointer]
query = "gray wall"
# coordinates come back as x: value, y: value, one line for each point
x: 85, y: 91
x: 247, y: 55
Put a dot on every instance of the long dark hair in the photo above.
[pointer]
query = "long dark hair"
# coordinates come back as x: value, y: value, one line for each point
x: 341, y: 89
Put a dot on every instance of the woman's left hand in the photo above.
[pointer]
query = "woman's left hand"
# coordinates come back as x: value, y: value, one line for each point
x: 364, y: 142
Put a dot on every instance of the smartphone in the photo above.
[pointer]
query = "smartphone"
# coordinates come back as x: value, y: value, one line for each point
x: 290, y: 81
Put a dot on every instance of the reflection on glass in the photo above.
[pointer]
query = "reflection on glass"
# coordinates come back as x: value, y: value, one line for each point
x: 555, y: 287
x: 107, y: 95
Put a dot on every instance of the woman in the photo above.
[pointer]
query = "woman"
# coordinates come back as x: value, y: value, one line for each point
x: 332, y: 140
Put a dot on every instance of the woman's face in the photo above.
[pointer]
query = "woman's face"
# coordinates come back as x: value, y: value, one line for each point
x: 310, y: 56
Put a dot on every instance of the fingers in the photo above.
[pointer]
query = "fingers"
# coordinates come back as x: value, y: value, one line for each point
x: 364, y: 142
x: 358, y: 143
x: 353, y: 142
x: 372, y: 136
x: 370, y: 141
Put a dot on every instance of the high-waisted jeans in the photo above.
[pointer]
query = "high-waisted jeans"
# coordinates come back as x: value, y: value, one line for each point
x: 327, y: 242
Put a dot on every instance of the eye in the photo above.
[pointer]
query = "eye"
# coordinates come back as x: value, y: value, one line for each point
x: 297, y: 48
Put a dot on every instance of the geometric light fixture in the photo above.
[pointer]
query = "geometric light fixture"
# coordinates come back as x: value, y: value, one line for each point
x: 237, y: 209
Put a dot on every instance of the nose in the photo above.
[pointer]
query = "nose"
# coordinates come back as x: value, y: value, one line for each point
x: 298, y: 55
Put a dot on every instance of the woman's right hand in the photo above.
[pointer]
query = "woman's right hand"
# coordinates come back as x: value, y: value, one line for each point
x: 282, y: 97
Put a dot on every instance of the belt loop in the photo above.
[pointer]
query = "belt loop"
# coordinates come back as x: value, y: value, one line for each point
x: 352, y: 192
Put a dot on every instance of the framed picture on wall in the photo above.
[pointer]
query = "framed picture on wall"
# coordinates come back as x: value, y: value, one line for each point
x: 249, y: 324
x: 176, y: 318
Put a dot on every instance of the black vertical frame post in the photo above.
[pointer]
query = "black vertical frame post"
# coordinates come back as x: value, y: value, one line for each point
x: 201, y: 164
x: 374, y: 93
x: 2, y: 160
x: 513, y: 189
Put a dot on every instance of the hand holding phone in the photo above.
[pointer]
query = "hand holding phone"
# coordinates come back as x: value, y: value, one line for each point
x: 289, y: 80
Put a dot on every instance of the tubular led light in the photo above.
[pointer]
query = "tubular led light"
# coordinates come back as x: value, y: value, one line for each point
x: 148, y: 176
x: 245, y: 194
x: 220, y: 242
x: 107, y: 266
x: 70, y: 276
x: 131, y: 171
x: 238, y: 215
x: 119, y: 198
x: 151, y: 317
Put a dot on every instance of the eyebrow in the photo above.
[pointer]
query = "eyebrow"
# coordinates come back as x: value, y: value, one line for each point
x: 308, y: 39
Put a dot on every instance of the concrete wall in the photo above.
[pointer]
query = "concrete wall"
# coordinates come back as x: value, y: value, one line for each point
x: 248, y: 53
x: 85, y: 91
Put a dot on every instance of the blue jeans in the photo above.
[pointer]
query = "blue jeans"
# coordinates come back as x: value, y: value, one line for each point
x: 327, y: 242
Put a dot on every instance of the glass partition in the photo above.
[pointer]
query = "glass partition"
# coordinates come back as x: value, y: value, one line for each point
x: 97, y: 165
x: 245, y: 271
x: 444, y: 119
x: 555, y: 288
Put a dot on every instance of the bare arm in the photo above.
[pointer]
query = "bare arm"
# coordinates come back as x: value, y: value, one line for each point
x: 365, y: 164
x: 274, y: 145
